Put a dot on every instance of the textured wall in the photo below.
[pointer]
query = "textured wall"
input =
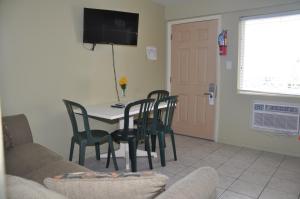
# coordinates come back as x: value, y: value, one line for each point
x: 43, y: 60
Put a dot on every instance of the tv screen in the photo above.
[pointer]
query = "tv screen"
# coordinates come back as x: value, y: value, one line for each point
x: 110, y: 27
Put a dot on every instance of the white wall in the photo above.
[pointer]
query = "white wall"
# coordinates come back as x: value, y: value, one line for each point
x: 43, y: 60
x: 235, y: 109
x: 193, y: 8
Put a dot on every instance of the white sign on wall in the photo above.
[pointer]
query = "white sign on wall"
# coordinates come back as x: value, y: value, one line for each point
x: 151, y: 52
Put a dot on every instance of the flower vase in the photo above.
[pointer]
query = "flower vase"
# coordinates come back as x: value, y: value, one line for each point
x: 123, y: 92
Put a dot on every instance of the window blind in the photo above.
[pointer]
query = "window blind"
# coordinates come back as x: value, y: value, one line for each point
x: 269, y: 54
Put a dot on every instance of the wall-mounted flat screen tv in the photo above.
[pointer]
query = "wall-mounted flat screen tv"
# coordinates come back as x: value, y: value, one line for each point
x: 110, y: 27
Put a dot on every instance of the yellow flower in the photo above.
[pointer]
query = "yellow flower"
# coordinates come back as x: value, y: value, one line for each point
x: 123, y: 81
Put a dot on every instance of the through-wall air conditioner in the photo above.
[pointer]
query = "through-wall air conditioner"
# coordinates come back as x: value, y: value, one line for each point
x: 278, y: 118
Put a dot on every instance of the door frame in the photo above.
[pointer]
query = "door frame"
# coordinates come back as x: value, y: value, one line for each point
x: 218, y: 58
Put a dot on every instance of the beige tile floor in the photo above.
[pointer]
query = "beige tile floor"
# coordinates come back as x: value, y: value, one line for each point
x: 244, y: 173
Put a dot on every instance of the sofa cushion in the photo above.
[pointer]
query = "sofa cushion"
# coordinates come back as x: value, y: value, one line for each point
x: 23, y: 159
x: 108, y: 185
x: 26, y: 189
x: 53, y: 169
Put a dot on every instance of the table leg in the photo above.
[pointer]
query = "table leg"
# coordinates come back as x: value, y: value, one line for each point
x: 139, y: 153
x: 123, y: 151
x: 121, y: 126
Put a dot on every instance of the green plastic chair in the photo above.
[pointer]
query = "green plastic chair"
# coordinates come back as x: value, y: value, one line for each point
x: 133, y: 136
x: 161, y: 125
x: 87, y: 137
x: 156, y: 94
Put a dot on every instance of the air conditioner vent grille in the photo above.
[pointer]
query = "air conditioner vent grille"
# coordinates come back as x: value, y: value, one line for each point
x: 282, y: 109
x: 278, y: 118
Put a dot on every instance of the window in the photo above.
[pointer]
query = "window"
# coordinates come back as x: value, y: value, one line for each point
x: 269, y: 59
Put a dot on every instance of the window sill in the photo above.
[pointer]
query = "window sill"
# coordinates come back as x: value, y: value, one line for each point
x: 267, y: 94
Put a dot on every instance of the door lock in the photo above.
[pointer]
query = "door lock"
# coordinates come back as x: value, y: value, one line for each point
x: 211, y: 93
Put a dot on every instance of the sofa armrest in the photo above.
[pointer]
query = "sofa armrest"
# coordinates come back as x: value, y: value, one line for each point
x: 18, y: 128
x: 200, y: 184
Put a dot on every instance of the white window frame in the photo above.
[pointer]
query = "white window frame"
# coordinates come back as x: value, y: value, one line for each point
x: 253, y: 92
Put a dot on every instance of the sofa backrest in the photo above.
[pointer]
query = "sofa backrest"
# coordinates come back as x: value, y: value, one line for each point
x: 17, y: 127
x: 2, y: 167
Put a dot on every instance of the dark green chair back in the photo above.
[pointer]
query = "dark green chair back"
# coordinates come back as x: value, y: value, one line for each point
x: 162, y: 125
x: 157, y: 95
x: 167, y: 116
x: 70, y: 105
x: 144, y: 107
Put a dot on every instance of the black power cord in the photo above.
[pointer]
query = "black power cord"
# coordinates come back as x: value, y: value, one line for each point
x: 114, y: 67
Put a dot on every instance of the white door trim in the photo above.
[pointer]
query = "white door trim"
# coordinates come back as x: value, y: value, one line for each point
x: 168, y: 68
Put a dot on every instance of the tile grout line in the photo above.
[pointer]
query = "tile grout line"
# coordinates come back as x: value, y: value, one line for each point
x: 210, y: 154
x: 227, y: 189
x: 222, y: 165
x: 261, y: 152
x: 230, y: 157
x: 284, y: 157
x: 191, y: 166
x: 234, y: 153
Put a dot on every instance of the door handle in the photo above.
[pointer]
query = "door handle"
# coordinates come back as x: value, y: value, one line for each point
x: 210, y: 94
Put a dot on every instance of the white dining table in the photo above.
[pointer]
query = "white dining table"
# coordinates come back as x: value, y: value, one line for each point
x: 105, y: 111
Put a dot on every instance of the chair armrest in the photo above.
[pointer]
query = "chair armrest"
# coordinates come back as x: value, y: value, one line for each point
x: 18, y: 128
x: 200, y: 184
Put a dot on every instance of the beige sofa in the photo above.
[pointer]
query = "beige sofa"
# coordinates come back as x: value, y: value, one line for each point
x: 32, y: 161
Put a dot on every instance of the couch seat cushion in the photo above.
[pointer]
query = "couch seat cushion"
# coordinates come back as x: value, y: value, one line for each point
x: 23, y: 159
x: 94, y: 185
x: 54, y: 168
x: 18, y: 188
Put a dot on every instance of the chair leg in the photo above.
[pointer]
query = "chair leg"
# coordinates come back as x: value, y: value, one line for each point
x: 132, y: 154
x: 162, y: 149
x: 147, y: 144
x: 97, y: 149
x: 111, y: 146
x: 153, y: 142
x: 173, y: 145
x: 108, y: 156
x: 71, y: 149
x: 81, y: 153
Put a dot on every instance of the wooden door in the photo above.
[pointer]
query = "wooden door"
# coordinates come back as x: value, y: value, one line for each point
x: 193, y: 69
